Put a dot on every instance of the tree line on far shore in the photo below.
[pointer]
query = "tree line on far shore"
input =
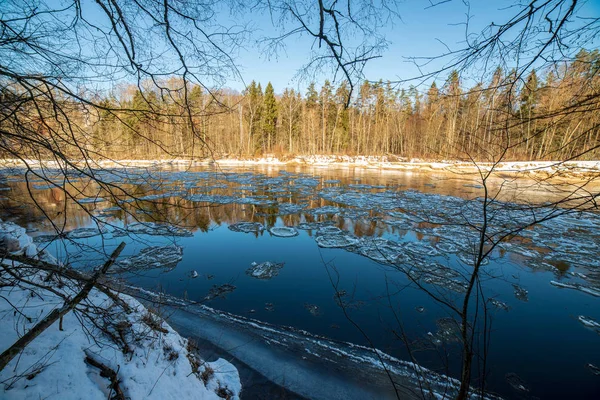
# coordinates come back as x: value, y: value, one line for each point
x: 545, y: 115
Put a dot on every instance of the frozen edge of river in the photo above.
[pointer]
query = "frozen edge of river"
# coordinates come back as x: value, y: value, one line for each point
x: 308, y: 365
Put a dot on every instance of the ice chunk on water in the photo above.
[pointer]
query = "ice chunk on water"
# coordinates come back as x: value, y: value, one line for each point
x: 283, y: 231
x: 336, y: 241
x: 520, y: 293
x: 310, y: 182
x: 589, y: 322
x: 516, y: 382
x: 595, y: 370
x: 154, y: 229
x: 421, y: 248
x: 329, y: 230
x: 470, y: 259
x: 325, y: 210
x: 381, y: 250
x: 264, y: 270
x: 446, y: 247
x: 165, y: 257
x: 313, y: 309
x: 594, y: 291
x: 290, y: 208
x: 498, y: 304
x: 448, y: 330
x: 211, y: 198
x: 247, y: 227
x: 83, y: 233
x: 91, y: 200
x: 220, y: 291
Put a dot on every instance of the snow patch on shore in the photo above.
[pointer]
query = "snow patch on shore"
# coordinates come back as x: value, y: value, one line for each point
x: 569, y: 168
x: 155, y: 363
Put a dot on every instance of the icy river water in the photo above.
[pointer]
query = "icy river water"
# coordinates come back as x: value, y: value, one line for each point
x: 359, y: 256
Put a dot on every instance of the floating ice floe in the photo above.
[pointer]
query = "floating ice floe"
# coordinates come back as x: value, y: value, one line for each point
x: 446, y: 247
x: 220, y: 291
x: 42, y: 239
x: 313, y: 309
x: 516, y: 382
x: 91, y: 200
x: 109, y: 211
x: 595, y: 370
x: 381, y: 250
x: 83, y: 233
x: 247, y: 227
x: 520, y: 293
x: 153, y: 229
x: 310, y: 182
x: 336, y: 241
x: 324, y: 210
x: 193, y: 274
x: 589, y: 322
x: 499, y: 304
x: 329, y: 230
x: 264, y: 270
x: 439, y: 275
x: 582, y: 288
x: 290, y: 208
x: 469, y: 259
x: 448, y: 331
x: 164, y: 257
x: 421, y: 248
x: 283, y: 231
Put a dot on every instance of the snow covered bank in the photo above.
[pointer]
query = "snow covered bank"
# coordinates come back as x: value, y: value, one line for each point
x: 569, y: 169
x: 150, y: 359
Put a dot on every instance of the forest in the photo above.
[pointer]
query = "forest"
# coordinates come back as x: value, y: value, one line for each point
x: 545, y: 115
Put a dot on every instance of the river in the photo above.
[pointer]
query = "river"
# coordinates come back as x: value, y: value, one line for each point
x: 359, y: 256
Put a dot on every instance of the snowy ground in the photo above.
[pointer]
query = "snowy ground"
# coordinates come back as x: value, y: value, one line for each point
x: 152, y: 361
x: 569, y: 169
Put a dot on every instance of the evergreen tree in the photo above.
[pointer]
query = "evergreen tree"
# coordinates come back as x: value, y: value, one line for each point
x: 311, y: 96
x: 269, y: 116
x: 529, y: 95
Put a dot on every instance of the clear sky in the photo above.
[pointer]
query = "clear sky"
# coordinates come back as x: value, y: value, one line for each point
x: 418, y: 33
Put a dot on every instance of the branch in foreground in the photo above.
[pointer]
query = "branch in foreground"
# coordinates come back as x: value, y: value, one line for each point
x: 56, y: 314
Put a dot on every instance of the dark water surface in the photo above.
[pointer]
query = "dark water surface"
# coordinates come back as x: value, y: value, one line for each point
x: 359, y: 234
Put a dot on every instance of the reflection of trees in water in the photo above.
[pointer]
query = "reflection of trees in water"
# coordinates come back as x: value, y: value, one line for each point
x: 54, y: 203
x: 180, y: 210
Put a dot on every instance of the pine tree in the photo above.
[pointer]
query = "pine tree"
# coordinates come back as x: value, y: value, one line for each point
x: 529, y: 95
x: 269, y: 116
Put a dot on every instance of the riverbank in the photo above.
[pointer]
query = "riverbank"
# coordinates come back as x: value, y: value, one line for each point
x: 105, y: 335
x: 558, y: 169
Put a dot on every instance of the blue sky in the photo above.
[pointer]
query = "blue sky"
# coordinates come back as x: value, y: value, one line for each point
x: 418, y: 33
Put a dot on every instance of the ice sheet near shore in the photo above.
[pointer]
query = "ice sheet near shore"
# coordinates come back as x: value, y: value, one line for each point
x: 569, y: 168
x: 158, y: 364
x: 294, y: 347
